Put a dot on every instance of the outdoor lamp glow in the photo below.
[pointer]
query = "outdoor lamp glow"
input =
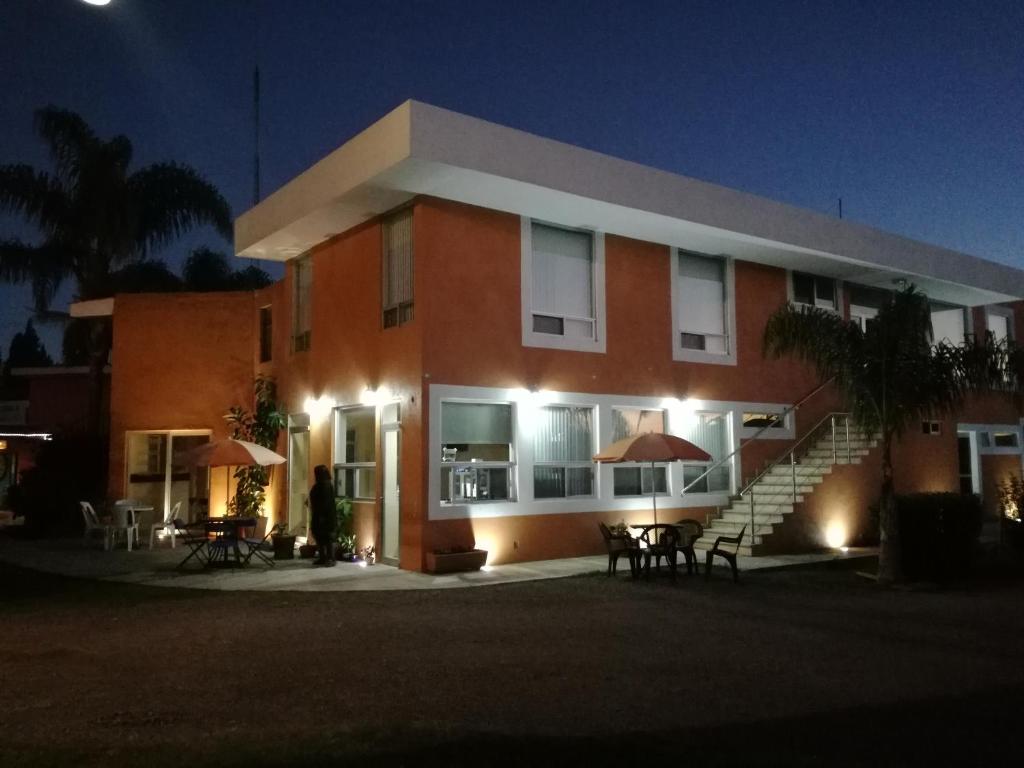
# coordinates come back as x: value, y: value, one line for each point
x: 835, y: 534
x: 97, y: 2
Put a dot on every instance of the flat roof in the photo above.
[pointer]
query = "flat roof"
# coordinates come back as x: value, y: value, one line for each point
x: 419, y: 149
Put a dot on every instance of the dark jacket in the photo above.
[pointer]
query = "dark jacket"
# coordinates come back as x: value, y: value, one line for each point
x: 323, y: 516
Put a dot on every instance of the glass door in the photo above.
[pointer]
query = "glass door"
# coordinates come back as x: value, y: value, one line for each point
x: 298, y: 474
x: 390, y: 507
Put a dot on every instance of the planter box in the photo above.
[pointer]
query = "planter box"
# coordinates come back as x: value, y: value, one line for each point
x: 452, y: 562
x: 284, y: 547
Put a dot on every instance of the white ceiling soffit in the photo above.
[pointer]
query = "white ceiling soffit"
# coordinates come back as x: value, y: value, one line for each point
x: 420, y: 149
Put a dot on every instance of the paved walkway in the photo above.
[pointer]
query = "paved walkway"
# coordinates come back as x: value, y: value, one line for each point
x: 157, y: 568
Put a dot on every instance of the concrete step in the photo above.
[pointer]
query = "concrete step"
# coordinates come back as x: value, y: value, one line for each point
x: 722, y: 527
x: 732, y: 516
x: 803, y: 472
x: 765, y: 505
x: 771, y: 484
x: 826, y: 453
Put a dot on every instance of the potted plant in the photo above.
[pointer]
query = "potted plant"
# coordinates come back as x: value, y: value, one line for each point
x: 454, y: 559
x: 284, y: 542
x: 345, y: 540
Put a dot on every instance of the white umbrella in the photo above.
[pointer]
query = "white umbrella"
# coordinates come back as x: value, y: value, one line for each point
x: 232, y: 453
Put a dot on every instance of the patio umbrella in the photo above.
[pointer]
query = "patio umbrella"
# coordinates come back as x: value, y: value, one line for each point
x: 232, y: 453
x: 653, y: 447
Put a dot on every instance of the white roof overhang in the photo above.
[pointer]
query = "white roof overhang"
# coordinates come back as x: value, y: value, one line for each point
x: 418, y: 149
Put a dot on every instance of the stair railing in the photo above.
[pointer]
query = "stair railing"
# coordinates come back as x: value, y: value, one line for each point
x: 831, y: 421
x: 782, y: 416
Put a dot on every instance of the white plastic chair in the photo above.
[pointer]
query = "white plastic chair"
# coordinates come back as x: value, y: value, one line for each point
x: 92, y: 524
x: 167, y: 525
x: 124, y: 520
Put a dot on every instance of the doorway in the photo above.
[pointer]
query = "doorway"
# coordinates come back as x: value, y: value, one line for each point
x: 967, y: 463
x: 298, y: 474
x: 390, y: 427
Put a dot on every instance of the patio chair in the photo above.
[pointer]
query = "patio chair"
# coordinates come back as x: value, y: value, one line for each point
x: 689, y: 531
x: 124, y: 520
x: 93, y: 524
x: 194, y: 537
x: 256, y: 546
x: 619, y: 544
x: 732, y: 544
x: 661, y: 541
x: 166, y: 525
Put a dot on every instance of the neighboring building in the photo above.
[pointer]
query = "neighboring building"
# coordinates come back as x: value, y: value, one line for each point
x: 470, y: 312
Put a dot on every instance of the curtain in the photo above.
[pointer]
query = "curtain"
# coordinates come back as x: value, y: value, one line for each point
x: 563, y: 434
x: 627, y: 422
x: 482, y: 423
x: 948, y: 325
x: 562, y: 270
x: 702, y: 295
x: 398, y: 259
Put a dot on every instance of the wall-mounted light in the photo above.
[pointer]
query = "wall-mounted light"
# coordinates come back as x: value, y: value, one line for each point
x: 318, y: 408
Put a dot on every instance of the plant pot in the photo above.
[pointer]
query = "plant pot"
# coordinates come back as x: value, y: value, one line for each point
x: 453, y: 562
x: 284, y: 546
x: 307, y: 551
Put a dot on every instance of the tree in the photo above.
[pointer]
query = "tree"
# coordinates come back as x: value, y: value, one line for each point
x: 96, y: 216
x: 891, y: 376
x: 209, y: 270
x: 27, y: 350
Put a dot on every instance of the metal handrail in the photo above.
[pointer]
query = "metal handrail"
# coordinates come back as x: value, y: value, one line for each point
x: 756, y: 435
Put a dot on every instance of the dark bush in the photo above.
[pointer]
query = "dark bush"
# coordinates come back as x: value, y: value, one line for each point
x: 938, y: 532
x: 68, y: 469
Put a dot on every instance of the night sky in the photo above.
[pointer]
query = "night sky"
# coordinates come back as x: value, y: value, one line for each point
x: 911, y: 111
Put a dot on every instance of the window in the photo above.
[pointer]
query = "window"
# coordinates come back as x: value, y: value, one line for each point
x: 562, y: 288
x: 629, y: 480
x: 814, y: 291
x: 948, y: 324
x: 397, y: 269
x: 355, y: 455
x: 302, y: 314
x: 1000, y: 324
x: 865, y: 303
x: 1005, y: 440
x: 476, y: 452
x: 702, y: 303
x: 266, y: 335
x: 931, y: 427
x: 562, y: 448
x: 759, y: 419
x: 710, y: 431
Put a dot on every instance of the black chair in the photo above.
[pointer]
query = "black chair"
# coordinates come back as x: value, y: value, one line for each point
x: 620, y: 544
x: 726, y: 554
x: 689, y: 531
x: 661, y: 541
x: 261, y: 548
x: 194, y: 537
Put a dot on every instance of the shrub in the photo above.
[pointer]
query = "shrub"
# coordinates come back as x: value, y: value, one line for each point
x: 938, y: 532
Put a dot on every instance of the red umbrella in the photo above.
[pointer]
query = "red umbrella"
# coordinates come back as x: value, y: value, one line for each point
x: 652, y: 447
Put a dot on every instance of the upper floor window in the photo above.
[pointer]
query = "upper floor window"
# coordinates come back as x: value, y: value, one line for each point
x: 266, y: 335
x: 702, y: 309
x: 563, y: 288
x: 815, y: 291
x: 949, y: 324
x: 397, y: 269
x: 355, y: 459
x: 562, y: 448
x: 476, y: 452
x: 865, y: 304
x: 302, y: 311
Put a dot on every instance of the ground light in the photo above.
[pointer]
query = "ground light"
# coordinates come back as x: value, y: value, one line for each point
x: 835, y: 534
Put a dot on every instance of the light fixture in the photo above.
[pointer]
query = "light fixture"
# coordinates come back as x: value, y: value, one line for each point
x: 97, y: 2
x: 318, y: 408
x: 835, y: 534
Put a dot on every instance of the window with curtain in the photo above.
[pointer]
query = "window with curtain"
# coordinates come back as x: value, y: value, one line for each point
x: 397, y: 269
x: 999, y: 326
x: 709, y: 431
x: 814, y: 290
x: 562, y: 449
x: 636, y: 479
x: 266, y: 334
x: 355, y: 453
x: 476, y: 452
x: 562, y: 271
x: 302, y: 311
x: 702, y: 303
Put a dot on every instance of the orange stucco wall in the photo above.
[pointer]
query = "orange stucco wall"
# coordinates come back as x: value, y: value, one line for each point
x: 179, y: 361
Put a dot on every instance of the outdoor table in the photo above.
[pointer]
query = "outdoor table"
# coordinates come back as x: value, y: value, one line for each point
x: 227, y: 533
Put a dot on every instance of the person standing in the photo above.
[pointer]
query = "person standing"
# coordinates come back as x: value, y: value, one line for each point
x: 323, y: 514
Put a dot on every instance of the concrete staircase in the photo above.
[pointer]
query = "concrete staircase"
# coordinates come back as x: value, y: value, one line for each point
x: 773, y: 492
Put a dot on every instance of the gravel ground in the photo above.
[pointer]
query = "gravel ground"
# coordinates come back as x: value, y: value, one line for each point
x: 812, y: 666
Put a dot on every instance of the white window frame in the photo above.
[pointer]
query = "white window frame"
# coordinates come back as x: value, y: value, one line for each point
x: 567, y: 465
x: 359, y: 467
x: 967, y: 316
x: 991, y: 429
x: 509, y: 465
x: 404, y: 307
x: 784, y: 432
x: 730, y: 416
x: 533, y: 338
x: 682, y: 354
x: 837, y: 309
x: 642, y: 465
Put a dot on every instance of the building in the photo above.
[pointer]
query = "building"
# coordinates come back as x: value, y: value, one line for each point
x: 469, y: 312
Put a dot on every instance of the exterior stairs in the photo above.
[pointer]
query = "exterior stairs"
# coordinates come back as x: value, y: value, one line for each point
x: 785, y: 484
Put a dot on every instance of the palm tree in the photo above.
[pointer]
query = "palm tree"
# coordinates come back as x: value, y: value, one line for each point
x: 891, y: 376
x: 95, y: 216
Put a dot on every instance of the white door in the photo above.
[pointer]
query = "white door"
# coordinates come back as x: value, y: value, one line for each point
x: 390, y: 510
x: 298, y: 474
